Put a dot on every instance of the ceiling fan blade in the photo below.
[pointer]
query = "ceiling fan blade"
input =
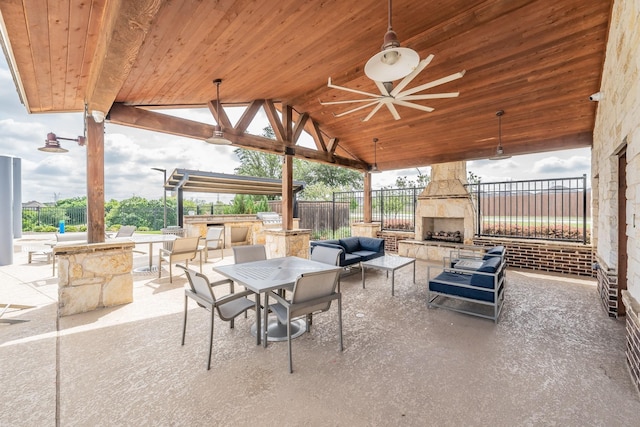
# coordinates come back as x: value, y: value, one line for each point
x: 393, y: 110
x: 375, y: 110
x: 356, y: 109
x: 404, y: 82
x: 428, y: 96
x: 343, y: 102
x: 331, y: 85
x: 414, y: 106
x: 434, y: 83
x: 383, y: 90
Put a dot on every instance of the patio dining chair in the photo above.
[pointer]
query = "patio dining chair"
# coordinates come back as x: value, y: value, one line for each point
x: 126, y: 231
x: 184, y: 249
x: 312, y: 293
x: 327, y: 255
x: 228, y: 307
x: 214, y: 240
x: 248, y: 253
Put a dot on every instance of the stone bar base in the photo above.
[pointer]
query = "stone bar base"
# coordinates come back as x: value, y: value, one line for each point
x: 94, y: 275
x: 365, y: 229
x: 281, y: 243
x: 633, y: 336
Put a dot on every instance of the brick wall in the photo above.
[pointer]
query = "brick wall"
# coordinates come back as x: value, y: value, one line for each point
x: 633, y: 337
x: 566, y: 258
x: 607, y: 287
x: 391, y: 239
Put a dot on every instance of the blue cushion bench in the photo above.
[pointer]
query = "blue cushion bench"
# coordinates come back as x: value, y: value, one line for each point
x: 482, y: 286
x: 355, y: 249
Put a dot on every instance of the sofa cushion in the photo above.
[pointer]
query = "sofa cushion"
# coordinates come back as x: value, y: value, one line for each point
x: 373, y: 244
x: 367, y: 255
x: 489, y: 266
x: 436, y: 285
x: 351, y: 259
x: 350, y: 244
x: 496, y: 251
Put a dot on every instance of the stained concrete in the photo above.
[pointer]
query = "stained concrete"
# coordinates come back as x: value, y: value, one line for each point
x: 555, y: 358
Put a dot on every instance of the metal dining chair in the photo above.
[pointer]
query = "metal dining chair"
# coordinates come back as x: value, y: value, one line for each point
x: 228, y: 307
x: 312, y: 293
x: 214, y: 240
x: 248, y: 253
x: 327, y: 255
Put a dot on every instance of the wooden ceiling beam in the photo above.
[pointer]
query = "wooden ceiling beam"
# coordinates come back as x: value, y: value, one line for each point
x: 248, y: 115
x: 126, y: 25
x: 150, y: 120
x: 299, y: 127
x: 274, y: 120
x: 219, y: 115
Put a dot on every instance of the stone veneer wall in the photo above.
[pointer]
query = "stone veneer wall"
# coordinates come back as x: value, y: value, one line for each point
x: 617, y: 130
x: 92, y: 276
x: 633, y: 337
x: 555, y: 257
x: 281, y: 243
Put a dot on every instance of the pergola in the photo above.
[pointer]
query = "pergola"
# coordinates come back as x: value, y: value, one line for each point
x: 538, y: 60
x: 195, y: 181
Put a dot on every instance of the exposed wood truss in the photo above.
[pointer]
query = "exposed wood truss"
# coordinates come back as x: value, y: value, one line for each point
x: 150, y: 120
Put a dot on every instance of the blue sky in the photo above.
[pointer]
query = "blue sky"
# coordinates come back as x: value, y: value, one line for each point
x: 130, y: 154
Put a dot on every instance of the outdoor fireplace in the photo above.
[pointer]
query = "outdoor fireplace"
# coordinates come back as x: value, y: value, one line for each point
x: 445, y: 211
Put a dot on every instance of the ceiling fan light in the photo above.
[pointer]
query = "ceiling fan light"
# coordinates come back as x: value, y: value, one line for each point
x: 374, y: 169
x: 391, y: 64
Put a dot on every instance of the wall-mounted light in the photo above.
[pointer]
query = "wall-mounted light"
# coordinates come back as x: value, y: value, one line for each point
x: 52, y: 143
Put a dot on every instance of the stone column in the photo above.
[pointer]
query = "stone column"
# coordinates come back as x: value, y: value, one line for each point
x: 281, y: 243
x: 365, y: 229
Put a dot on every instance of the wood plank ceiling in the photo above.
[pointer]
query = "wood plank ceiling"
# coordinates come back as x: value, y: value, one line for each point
x: 538, y: 60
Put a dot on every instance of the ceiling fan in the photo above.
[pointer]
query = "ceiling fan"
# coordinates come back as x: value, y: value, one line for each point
x: 392, y: 63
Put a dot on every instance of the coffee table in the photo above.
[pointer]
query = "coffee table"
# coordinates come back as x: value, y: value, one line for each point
x: 389, y: 263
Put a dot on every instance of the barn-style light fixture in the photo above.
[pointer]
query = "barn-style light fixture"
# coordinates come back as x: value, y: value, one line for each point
x: 392, y: 62
x: 52, y: 143
x: 499, y: 150
x: 218, y: 136
x: 374, y: 168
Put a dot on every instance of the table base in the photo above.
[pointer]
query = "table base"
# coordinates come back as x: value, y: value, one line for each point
x: 146, y: 269
x: 277, y: 331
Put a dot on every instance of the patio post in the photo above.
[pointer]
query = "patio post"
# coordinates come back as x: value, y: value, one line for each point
x: 287, y: 191
x: 367, y: 197
x: 95, y: 180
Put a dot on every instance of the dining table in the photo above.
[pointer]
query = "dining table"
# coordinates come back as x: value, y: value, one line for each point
x: 150, y: 239
x: 268, y: 275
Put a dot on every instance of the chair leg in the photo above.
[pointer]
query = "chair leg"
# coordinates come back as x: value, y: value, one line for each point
x: 210, y: 340
x: 159, y: 267
x: 184, y: 325
x: 171, y: 272
x: 289, y: 343
x: 340, y: 320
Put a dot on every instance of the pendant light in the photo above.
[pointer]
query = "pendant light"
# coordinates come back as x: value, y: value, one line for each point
x: 218, y: 136
x: 392, y: 62
x: 374, y: 168
x: 499, y: 150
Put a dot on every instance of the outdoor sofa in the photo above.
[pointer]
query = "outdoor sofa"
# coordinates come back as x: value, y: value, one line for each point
x: 355, y: 249
x: 456, y: 288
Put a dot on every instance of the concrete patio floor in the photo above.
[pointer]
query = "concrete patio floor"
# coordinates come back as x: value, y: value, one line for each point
x: 555, y: 358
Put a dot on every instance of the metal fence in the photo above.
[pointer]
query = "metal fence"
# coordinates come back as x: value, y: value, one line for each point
x: 548, y: 209
x: 551, y: 209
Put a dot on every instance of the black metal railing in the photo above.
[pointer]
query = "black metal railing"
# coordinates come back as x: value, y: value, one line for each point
x: 548, y: 209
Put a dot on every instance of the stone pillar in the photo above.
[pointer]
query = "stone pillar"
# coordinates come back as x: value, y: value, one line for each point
x: 94, y: 275
x: 281, y: 243
x: 365, y: 229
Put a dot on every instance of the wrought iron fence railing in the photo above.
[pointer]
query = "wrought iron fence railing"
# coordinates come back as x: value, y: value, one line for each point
x: 547, y: 209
